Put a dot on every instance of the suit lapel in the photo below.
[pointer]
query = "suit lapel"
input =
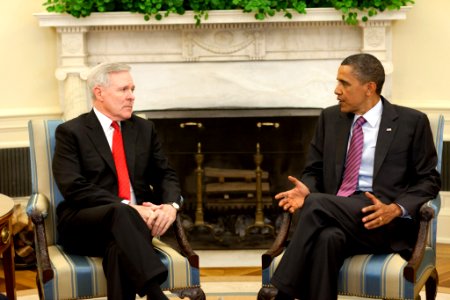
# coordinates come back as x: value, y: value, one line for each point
x: 386, y: 133
x: 97, y: 136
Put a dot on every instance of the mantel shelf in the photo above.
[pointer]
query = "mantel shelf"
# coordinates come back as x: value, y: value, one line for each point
x: 215, y: 17
x: 230, y: 60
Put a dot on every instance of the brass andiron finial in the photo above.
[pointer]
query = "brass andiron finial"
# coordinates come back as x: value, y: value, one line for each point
x: 199, y: 221
x: 259, y: 214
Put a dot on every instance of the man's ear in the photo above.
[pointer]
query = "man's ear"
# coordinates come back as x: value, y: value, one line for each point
x: 371, y: 88
x: 98, y: 92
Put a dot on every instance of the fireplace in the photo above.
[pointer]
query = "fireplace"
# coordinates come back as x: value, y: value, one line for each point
x: 229, y: 146
x: 229, y: 74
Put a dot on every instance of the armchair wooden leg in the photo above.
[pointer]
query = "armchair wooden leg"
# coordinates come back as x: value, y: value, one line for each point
x: 267, y: 293
x: 431, y: 285
x: 40, y: 288
x: 191, y: 293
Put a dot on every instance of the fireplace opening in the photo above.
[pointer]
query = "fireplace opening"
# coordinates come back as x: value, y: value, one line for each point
x: 230, y: 167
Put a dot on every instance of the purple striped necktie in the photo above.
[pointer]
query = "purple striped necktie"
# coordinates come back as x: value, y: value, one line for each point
x: 353, y: 162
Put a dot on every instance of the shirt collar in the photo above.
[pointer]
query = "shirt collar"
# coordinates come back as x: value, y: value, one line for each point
x: 105, y: 122
x: 373, y: 115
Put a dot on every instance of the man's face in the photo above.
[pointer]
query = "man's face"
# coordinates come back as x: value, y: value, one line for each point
x: 353, y: 96
x: 116, y: 100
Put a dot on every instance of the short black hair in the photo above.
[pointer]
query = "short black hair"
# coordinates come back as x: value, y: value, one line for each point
x: 366, y: 68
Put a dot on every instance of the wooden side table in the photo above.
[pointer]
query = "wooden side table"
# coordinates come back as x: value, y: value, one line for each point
x: 7, y: 245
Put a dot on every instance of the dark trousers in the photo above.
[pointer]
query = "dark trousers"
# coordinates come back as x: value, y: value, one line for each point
x: 117, y: 233
x: 329, y: 230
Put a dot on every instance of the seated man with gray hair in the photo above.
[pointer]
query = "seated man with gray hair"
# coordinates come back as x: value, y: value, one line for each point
x: 118, y: 186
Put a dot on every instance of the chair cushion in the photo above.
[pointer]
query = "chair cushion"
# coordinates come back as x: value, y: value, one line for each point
x: 77, y: 277
x: 374, y: 276
x: 181, y: 273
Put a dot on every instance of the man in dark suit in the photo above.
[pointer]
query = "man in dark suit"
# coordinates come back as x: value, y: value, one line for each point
x: 93, y: 219
x: 377, y: 212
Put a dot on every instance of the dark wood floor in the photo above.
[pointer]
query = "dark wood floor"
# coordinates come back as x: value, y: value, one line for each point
x: 25, y: 279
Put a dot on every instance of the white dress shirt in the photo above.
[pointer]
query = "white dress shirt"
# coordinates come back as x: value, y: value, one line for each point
x: 370, y: 130
x: 105, y: 122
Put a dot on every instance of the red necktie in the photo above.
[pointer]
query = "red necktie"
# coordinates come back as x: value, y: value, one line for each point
x: 353, y: 162
x: 121, y: 163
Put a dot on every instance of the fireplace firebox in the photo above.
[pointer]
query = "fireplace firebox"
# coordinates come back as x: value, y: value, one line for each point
x: 231, y: 163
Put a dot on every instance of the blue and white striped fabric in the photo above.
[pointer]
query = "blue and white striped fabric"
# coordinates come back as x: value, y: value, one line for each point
x: 374, y: 276
x: 81, y: 277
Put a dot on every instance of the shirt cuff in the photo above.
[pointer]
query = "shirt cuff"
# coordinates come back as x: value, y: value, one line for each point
x: 405, y: 213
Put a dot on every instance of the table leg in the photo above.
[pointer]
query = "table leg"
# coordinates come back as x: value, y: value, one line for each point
x: 9, y: 269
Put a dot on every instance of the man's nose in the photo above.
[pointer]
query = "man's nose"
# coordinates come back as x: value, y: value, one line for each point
x: 337, y: 90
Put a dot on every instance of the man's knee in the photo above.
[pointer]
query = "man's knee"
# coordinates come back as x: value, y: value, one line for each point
x: 332, y: 236
x: 120, y: 209
x: 124, y: 215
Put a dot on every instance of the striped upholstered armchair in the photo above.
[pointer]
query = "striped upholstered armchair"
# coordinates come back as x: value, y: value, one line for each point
x: 63, y: 276
x: 386, y: 276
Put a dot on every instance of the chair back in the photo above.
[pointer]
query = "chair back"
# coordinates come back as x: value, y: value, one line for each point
x: 42, y: 146
x: 437, y: 127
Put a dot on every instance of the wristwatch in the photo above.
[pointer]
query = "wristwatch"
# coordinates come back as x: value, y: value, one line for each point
x: 175, y: 205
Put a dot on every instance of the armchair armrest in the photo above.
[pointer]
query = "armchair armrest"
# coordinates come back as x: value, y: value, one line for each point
x: 426, y: 215
x: 37, y: 210
x: 280, y: 241
x: 38, y: 204
x: 185, y: 247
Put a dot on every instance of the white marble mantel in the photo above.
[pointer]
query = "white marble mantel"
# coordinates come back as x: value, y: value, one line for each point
x: 230, y: 61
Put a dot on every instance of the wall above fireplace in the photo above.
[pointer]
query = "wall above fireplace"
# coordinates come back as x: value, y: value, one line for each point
x: 230, y: 61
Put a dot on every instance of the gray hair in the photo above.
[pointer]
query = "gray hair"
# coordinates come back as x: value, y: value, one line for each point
x: 99, y: 75
x: 366, y: 68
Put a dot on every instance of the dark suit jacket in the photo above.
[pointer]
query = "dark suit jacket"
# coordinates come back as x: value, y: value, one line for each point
x: 405, y: 156
x: 84, y: 168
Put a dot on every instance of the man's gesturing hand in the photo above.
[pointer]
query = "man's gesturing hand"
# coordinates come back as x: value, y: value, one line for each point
x: 293, y: 199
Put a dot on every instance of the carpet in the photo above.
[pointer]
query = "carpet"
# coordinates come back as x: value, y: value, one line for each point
x: 231, y: 290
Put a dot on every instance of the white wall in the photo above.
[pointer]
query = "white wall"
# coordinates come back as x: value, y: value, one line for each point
x: 421, y: 46
x: 27, y: 83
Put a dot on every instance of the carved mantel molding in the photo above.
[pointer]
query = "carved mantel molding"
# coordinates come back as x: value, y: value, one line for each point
x: 173, y: 49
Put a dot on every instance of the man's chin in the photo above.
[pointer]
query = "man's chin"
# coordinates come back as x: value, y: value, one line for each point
x: 126, y: 115
x: 343, y: 108
x: 127, y: 112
